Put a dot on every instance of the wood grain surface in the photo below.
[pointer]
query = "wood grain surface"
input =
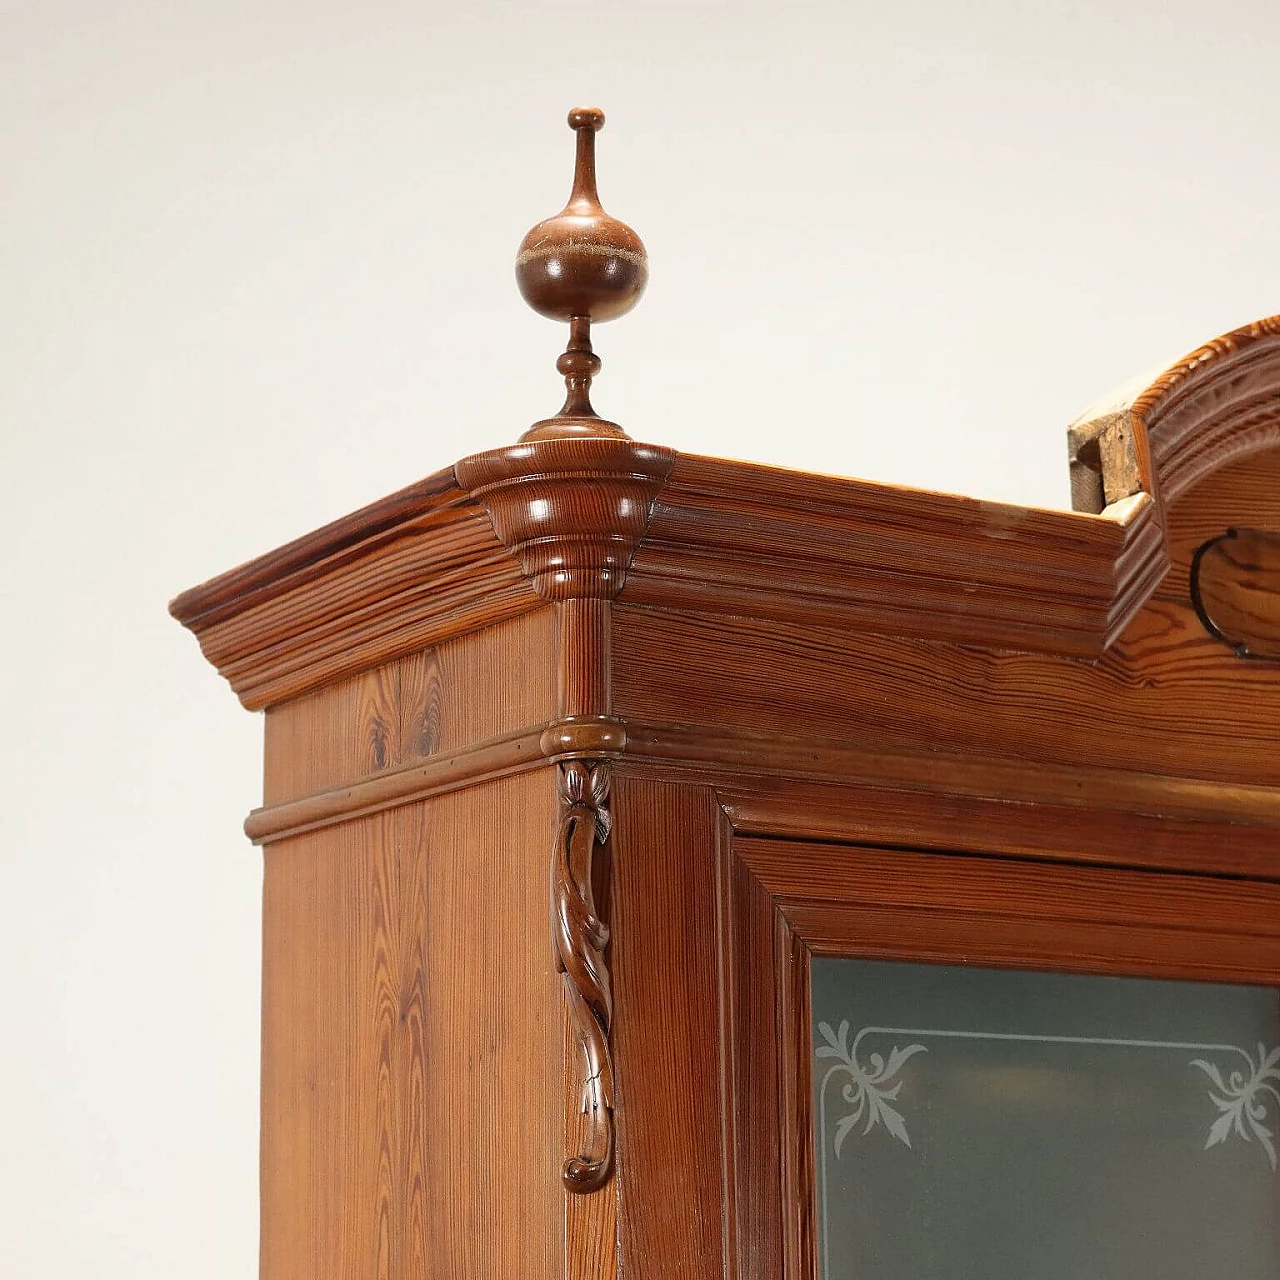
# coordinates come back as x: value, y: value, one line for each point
x: 413, y: 1114
x: 666, y: 1037
x: 787, y: 900
x: 1168, y: 699
x: 841, y: 718
x: 426, y: 704
x: 1164, y: 434
x: 1246, y: 493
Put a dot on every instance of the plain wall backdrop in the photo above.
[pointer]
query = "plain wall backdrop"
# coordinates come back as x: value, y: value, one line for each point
x: 256, y: 270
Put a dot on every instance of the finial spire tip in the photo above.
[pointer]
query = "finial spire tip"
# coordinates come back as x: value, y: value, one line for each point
x: 579, y: 266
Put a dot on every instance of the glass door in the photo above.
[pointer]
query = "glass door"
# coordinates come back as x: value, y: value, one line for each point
x: 997, y: 1124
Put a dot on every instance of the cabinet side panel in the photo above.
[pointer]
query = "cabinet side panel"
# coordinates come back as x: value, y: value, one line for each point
x: 412, y: 1112
x: 465, y: 691
x: 667, y: 1049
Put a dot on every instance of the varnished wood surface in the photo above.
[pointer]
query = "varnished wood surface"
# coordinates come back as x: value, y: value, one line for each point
x: 423, y: 706
x: 572, y: 510
x: 935, y: 820
x: 1167, y: 699
x: 313, y: 554
x: 1083, y: 814
x: 389, y: 789
x: 726, y: 753
x: 457, y: 553
x: 786, y: 900
x: 402, y: 575
x: 413, y: 1059
x: 733, y: 537
x: 581, y: 266
x: 413, y: 1046
x: 667, y: 1032
x: 840, y: 717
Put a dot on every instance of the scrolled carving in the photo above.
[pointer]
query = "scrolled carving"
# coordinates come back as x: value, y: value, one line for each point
x: 580, y: 938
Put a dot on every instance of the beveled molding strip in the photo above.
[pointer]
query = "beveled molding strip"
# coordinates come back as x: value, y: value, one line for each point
x: 729, y: 751
x: 569, y: 739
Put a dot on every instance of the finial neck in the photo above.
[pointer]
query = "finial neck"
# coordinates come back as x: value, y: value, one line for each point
x: 584, y: 198
x: 579, y: 364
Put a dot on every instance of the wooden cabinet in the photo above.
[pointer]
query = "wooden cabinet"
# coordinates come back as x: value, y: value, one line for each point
x: 582, y: 754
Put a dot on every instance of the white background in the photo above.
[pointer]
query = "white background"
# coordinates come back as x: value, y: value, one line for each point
x: 256, y: 270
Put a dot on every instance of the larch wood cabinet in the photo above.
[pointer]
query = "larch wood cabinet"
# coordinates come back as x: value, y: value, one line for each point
x: 683, y: 868
x: 678, y: 867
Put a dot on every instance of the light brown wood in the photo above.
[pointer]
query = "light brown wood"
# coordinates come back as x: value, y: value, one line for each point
x: 1153, y: 705
x: 1251, y: 484
x: 402, y: 1064
x: 667, y: 1035
x: 414, y: 709
x: 839, y: 718
x: 1165, y: 432
x: 889, y: 904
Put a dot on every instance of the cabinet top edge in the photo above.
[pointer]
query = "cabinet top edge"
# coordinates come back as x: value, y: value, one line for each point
x: 728, y: 535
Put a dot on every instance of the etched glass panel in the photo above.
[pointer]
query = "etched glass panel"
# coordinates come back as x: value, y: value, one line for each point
x: 983, y: 1124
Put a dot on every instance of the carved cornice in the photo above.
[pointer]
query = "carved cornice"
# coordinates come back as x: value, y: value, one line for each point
x: 572, y: 509
x: 1161, y: 434
x: 595, y: 518
x: 734, y: 537
x: 402, y: 574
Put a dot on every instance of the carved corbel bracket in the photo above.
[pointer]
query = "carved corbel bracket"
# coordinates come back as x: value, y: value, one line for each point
x: 573, y: 509
x: 580, y: 937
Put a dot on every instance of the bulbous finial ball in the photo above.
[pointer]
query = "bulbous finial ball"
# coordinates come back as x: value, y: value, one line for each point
x: 582, y: 262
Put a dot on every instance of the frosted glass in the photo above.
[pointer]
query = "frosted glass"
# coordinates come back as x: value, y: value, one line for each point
x: 982, y: 1124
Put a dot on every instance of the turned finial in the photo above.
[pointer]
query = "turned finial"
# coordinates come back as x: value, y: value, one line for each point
x: 582, y: 265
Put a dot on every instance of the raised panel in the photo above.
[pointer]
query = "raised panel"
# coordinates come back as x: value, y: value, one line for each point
x: 840, y: 900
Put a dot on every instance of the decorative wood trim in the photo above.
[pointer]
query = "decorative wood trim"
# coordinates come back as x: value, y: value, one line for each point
x: 316, y: 553
x: 1057, y: 832
x: 893, y: 904
x: 390, y: 788
x: 994, y: 911
x: 580, y: 938
x: 599, y: 517
x: 726, y: 752
x: 1160, y: 436
x: 405, y: 573
x: 733, y: 537
x: 572, y: 509
x: 1193, y: 817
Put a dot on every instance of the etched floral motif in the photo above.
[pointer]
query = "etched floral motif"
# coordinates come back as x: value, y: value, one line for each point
x: 1242, y: 1100
x: 870, y: 1089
